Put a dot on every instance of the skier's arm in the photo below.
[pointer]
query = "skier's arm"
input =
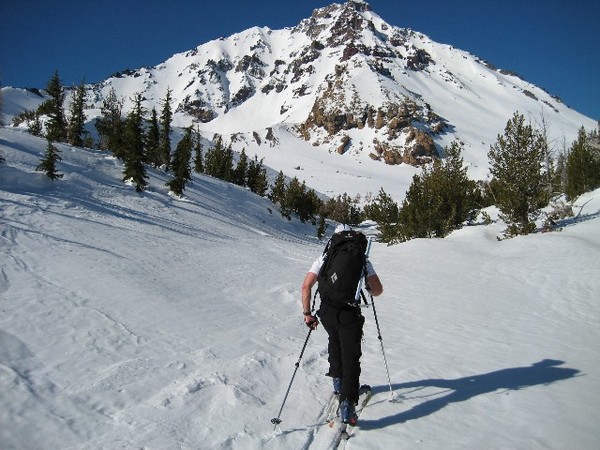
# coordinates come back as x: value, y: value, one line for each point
x: 374, y: 285
x: 309, y: 281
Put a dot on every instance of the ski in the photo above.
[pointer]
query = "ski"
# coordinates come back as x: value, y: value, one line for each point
x: 332, y: 408
x: 345, y: 432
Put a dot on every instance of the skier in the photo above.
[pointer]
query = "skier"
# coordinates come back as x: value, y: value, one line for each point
x: 344, y: 326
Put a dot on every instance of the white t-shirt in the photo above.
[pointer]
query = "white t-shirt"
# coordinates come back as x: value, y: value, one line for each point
x: 316, y: 266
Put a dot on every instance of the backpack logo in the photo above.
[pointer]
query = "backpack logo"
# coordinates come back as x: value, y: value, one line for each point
x: 344, y: 266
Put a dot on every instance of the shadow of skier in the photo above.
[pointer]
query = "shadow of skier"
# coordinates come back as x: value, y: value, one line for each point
x: 461, y: 389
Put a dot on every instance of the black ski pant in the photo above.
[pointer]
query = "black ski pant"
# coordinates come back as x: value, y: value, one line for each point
x: 345, y: 329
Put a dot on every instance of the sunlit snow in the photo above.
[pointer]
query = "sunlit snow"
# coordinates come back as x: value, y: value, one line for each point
x: 147, y: 321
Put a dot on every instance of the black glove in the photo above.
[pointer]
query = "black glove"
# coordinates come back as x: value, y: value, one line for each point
x: 311, y: 322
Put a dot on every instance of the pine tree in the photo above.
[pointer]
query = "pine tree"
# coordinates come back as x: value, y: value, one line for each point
x: 218, y: 162
x: 560, y: 173
x: 277, y: 193
x: 110, y: 125
x: 439, y: 200
x: 213, y: 157
x: 56, y: 127
x: 459, y: 193
x: 32, y: 118
x: 516, y: 162
x: 77, y: 133
x: 153, y: 141
x: 384, y: 210
x: 311, y: 205
x: 342, y: 209
x: 134, y: 157
x: 181, y: 163
x: 48, y: 163
x: 582, y: 165
x: 307, y: 204
x: 166, y: 117
x: 240, y: 173
x: 227, y: 164
x: 294, y: 195
x: 198, y: 160
x: 415, y: 213
x: 257, y: 177
x: 321, y: 227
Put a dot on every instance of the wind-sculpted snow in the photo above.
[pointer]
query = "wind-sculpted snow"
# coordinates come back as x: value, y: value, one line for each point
x: 148, y: 321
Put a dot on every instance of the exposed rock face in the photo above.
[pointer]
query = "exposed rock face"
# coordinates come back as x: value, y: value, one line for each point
x: 341, y: 105
x: 342, y: 147
x: 197, y: 109
x: 418, y: 149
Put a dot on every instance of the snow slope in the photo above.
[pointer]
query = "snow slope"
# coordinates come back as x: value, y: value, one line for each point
x: 146, y: 321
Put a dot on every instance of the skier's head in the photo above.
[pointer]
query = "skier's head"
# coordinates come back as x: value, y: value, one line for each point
x: 342, y: 227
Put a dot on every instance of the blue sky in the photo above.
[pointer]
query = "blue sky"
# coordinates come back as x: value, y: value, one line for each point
x: 554, y: 44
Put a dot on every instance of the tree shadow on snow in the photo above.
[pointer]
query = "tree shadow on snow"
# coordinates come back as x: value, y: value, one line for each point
x: 461, y: 389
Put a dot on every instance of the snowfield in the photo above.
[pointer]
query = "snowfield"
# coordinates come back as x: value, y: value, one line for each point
x: 148, y: 321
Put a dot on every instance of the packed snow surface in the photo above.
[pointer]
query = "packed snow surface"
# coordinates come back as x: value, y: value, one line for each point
x: 150, y: 321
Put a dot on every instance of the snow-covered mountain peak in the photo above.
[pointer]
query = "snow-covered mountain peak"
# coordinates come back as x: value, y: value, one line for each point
x: 347, y: 83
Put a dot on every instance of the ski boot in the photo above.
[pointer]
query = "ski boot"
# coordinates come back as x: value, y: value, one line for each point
x: 348, y: 412
x: 337, y: 386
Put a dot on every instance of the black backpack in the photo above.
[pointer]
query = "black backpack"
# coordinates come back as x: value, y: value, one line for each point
x: 344, y: 266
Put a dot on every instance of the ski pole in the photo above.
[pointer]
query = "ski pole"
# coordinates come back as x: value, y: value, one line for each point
x: 277, y: 420
x: 382, y: 348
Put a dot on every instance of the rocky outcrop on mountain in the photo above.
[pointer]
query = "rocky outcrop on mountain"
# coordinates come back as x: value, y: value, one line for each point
x: 418, y: 149
x: 341, y: 105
